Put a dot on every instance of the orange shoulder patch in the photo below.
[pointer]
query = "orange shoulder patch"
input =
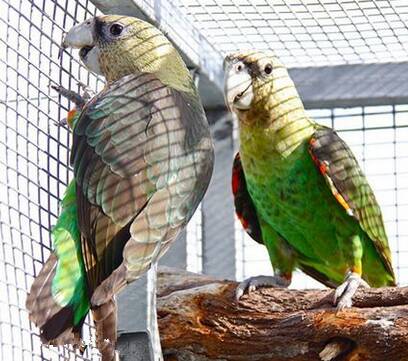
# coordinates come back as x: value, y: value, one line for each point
x: 323, y: 168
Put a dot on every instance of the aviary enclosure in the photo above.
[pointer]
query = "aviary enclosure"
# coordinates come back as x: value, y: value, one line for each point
x: 349, y: 60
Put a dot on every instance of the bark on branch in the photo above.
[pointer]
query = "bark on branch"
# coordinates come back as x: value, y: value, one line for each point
x: 200, y: 320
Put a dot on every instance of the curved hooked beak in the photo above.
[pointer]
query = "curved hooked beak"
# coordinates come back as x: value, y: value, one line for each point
x: 80, y: 36
x: 238, y: 90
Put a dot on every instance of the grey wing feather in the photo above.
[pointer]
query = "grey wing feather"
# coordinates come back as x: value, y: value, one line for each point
x: 138, y: 177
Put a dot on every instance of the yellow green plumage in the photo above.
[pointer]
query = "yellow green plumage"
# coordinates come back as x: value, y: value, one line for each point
x: 69, y: 284
x: 142, y: 159
x: 314, y: 206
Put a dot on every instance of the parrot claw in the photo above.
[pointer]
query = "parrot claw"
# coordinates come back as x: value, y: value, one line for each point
x: 87, y: 92
x: 63, y: 122
x: 252, y: 283
x: 343, y: 296
x: 72, y: 96
x: 78, y: 99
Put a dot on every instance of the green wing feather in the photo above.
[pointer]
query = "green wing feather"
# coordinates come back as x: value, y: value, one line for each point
x: 69, y: 283
x: 350, y: 187
x: 58, y: 299
x: 246, y: 212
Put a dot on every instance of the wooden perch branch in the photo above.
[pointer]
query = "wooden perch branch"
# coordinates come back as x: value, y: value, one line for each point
x: 199, y: 320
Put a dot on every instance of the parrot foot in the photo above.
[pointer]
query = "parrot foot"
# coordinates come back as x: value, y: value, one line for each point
x: 345, y: 292
x: 87, y: 92
x: 252, y: 283
x: 78, y: 99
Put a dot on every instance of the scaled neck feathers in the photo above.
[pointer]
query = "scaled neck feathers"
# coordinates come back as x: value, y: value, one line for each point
x: 278, y: 119
x: 161, y: 60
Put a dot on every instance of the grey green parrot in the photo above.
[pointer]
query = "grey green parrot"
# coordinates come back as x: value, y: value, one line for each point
x: 142, y: 158
x: 298, y: 188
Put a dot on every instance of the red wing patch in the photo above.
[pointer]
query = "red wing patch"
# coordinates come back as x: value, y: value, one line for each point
x: 244, y: 206
x: 70, y: 117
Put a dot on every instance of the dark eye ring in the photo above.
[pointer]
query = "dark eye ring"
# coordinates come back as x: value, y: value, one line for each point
x: 268, y: 69
x: 116, y: 29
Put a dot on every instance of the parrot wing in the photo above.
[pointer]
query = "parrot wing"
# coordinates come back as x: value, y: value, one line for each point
x: 246, y: 213
x: 342, y: 173
x: 244, y: 206
x: 124, y: 142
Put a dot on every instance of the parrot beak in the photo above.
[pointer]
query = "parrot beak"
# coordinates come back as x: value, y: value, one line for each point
x: 238, y: 86
x: 82, y: 36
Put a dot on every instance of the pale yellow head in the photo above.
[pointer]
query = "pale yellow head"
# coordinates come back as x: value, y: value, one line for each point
x: 115, y: 46
x: 257, y: 85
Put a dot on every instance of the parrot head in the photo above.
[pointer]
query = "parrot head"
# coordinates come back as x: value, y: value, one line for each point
x: 255, y: 84
x: 115, y: 46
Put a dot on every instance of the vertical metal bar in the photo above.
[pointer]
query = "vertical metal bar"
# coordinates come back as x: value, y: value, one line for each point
x: 218, y: 211
x: 394, y: 127
x: 152, y: 326
x: 176, y: 256
x: 137, y: 320
x: 157, y: 11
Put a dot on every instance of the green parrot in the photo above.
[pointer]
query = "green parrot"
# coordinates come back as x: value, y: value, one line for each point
x: 298, y: 188
x: 142, y: 158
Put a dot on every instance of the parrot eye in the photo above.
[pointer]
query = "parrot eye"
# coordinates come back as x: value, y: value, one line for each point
x: 268, y: 69
x: 116, y: 29
x: 239, y: 67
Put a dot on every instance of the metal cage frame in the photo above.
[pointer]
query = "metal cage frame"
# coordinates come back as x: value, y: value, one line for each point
x: 348, y: 58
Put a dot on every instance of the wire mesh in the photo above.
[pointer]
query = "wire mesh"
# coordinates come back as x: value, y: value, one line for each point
x: 194, y: 243
x: 378, y: 137
x: 306, y: 32
x: 34, y: 147
x: 34, y: 158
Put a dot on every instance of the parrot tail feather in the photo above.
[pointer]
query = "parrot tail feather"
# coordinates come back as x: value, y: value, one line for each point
x: 58, y: 300
x: 105, y: 319
x: 54, y: 320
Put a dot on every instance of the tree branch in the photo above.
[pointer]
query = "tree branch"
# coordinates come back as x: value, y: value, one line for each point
x: 200, y: 320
